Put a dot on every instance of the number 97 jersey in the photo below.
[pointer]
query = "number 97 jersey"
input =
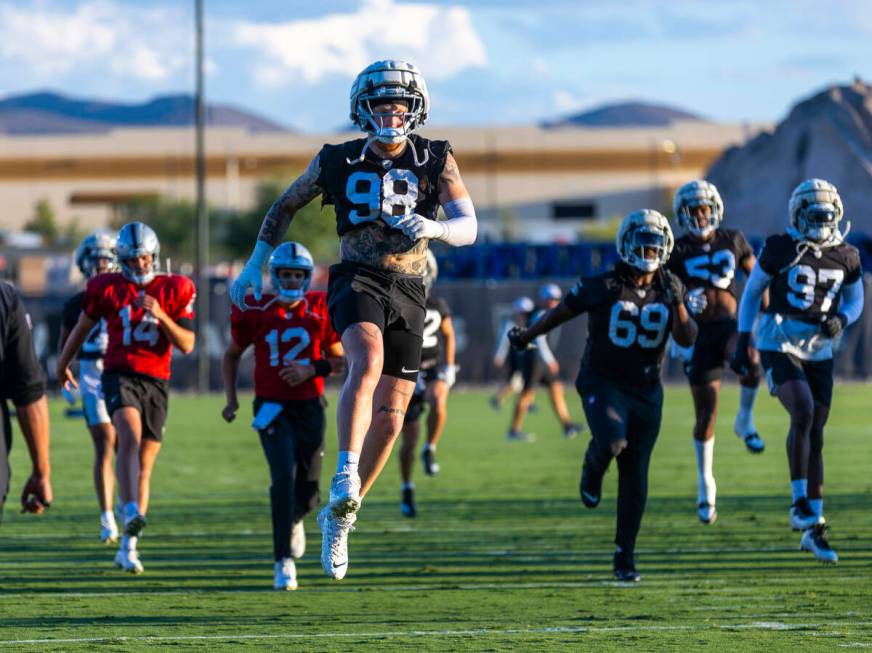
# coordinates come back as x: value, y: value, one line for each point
x: 282, y: 336
x: 807, y: 288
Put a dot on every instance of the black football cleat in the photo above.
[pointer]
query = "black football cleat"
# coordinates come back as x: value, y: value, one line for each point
x: 802, y: 517
x: 591, y: 486
x: 407, y: 504
x: 428, y: 458
x: 625, y: 568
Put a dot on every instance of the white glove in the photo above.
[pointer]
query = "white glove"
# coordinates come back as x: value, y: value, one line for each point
x: 417, y: 226
x: 449, y: 375
x: 251, y: 276
x: 696, y: 301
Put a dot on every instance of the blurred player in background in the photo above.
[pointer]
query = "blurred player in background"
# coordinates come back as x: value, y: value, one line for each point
x: 295, y: 348
x: 387, y: 189
x: 706, y: 258
x: 95, y: 255
x: 815, y: 284
x: 539, y: 367
x: 507, y: 355
x: 631, y: 309
x: 146, y: 314
x: 437, y: 376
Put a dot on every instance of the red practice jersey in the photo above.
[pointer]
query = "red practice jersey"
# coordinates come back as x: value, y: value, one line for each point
x: 283, y: 335
x: 136, y: 342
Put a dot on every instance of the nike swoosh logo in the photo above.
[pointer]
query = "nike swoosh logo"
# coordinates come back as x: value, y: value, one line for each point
x: 405, y: 371
x: 590, y: 497
x: 341, y: 564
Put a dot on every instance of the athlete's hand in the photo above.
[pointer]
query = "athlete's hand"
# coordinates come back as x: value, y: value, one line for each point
x: 66, y: 378
x: 675, y: 287
x: 696, y: 301
x: 740, y: 361
x: 229, y: 411
x: 296, y: 373
x: 833, y: 326
x: 449, y: 374
x: 37, y: 494
x: 417, y: 226
x: 518, y: 338
x: 250, y: 277
x: 152, y: 305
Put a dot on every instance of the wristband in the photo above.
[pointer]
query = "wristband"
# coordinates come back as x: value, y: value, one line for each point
x: 322, y: 367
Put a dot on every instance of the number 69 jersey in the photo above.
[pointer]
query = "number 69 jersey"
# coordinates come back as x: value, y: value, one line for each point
x: 137, y: 344
x: 282, y: 336
x: 366, y: 190
x: 807, y: 289
x: 627, y: 326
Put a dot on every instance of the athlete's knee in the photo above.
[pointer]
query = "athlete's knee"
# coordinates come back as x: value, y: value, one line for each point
x: 816, y: 440
x: 617, y: 446
x: 802, y: 417
x: 388, y: 420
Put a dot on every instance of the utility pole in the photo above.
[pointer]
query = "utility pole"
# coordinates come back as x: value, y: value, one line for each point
x: 202, y: 240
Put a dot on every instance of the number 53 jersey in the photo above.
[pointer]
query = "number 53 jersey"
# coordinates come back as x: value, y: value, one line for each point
x: 627, y: 326
x: 137, y: 343
x: 710, y: 264
x: 281, y: 336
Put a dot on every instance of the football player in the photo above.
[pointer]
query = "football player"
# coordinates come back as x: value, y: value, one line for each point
x: 95, y: 255
x: 295, y: 347
x: 706, y: 258
x: 386, y: 189
x: 147, y: 314
x: 631, y: 310
x: 540, y: 367
x: 437, y: 376
x: 815, y: 290
x: 505, y: 353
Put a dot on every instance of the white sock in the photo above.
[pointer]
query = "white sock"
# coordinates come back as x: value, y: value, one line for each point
x: 131, y: 509
x: 744, y: 424
x: 818, y: 506
x: 347, y: 462
x: 107, y: 519
x: 408, y: 486
x: 799, y: 488
x: 128, y: 542
x: 706, y: 489
x: 429, y: 447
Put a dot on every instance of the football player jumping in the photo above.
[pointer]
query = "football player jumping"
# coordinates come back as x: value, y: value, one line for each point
x: 815, y: 290
x: 631, y: 310
x: 706, y: 257
x: 95, y: 255
x: 386, y: 188
x: 147, y: 314
x: 295, y: 347
x: 437, y: 376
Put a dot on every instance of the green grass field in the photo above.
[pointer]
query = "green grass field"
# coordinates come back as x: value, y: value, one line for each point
x: 502, y: 556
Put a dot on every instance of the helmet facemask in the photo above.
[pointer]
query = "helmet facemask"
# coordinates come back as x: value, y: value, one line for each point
x: 291, y: 256
x: 690, y: 219
x: 818, y: 222
x: 290, y: 288
x: 640, y: 242
x: 139, y: 277
x: 381, y: 124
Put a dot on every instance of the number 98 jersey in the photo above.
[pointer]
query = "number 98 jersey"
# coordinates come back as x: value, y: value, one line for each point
x: 809, y: 288
x: 282, y: 336
x: 627, y: 326
x: 137, y: 343
x: 365, y: 191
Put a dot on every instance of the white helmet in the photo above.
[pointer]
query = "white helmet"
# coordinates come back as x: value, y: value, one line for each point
x: 431, y: 272
x: 523, y: 305
x: 642, y: 230
x: 96, y: 246
x: 295, y: 256
x: 137, y: 239
x: 550, y: 291
x: 386, y: 81
x: 698, y: 193
x: 816, y: 210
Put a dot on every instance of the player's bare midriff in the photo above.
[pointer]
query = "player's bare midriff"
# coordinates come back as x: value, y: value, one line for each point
x: 385, y: 249
x: 721, y: 306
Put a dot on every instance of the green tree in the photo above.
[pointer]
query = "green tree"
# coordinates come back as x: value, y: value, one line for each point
x: 174, y: 221
x: 44, y: 222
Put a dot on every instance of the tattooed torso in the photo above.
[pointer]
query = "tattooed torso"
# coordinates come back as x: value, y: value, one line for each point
x: 378, y: 246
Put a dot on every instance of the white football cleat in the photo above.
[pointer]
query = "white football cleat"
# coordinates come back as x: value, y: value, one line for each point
x: 334, y: 542
x: 285, y: 575
x: 128, y: 560
x: 707, y: 513
x: 109, y: 533
x: 814, y: 540
x: 298, y: 540
x: 344, y: 493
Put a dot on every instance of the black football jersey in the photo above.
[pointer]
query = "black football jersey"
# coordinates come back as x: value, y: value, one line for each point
x: 431, y: 348
x: 809, y: 288
x: 627, y: 326
x: 365, y: 191
x: 711, y: 264
x: 94, y: 347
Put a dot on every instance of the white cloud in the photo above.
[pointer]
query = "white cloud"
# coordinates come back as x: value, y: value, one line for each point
x: 50, y: 39
x: 566, y: 102
x: 440, y: 40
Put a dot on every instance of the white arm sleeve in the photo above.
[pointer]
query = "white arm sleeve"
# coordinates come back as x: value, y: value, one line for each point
x: 749, y: 307
x: 503, y: 340
x: 461, y: 227
x: 852, y: 301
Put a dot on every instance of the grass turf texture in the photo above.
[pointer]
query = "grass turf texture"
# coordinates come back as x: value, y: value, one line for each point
x: 502, y: 555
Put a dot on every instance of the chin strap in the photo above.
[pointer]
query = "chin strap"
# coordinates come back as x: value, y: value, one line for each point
x: 803, y: 245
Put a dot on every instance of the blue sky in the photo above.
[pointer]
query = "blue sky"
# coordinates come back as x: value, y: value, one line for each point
x: 488, y: 61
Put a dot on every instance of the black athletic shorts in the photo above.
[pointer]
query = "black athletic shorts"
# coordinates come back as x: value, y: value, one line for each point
x: 614, y: 411
x: 535, y: 371
x: 394, y: 302
x: 709, y: 352
x: 148, y: 395
x: 781, y: 367
x: 302, y: 419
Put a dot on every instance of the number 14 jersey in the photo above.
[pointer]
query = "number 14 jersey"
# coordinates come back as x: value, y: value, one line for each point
x: 137, y: 343
x: 282, y: 336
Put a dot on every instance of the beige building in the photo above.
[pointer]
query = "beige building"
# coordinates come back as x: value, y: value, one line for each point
x: 533, y: 183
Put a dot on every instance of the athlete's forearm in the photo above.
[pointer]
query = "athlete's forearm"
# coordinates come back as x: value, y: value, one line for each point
x: 230, y: 374
x: 34, y: 421
x: 551, y: 319
x: 75, y: 341
x: 281, y: 213
x: 684, y: 328
x: 749, y: 305
x: 181, y: 338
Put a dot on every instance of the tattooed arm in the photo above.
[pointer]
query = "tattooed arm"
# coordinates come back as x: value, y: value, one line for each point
x: 451, y: 186
x: 275, y: 225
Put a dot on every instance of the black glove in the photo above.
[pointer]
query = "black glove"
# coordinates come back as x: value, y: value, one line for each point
x: 740, y: 361
x: 675, y: 287
x: 518, y: 338
x: 833, y: 326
